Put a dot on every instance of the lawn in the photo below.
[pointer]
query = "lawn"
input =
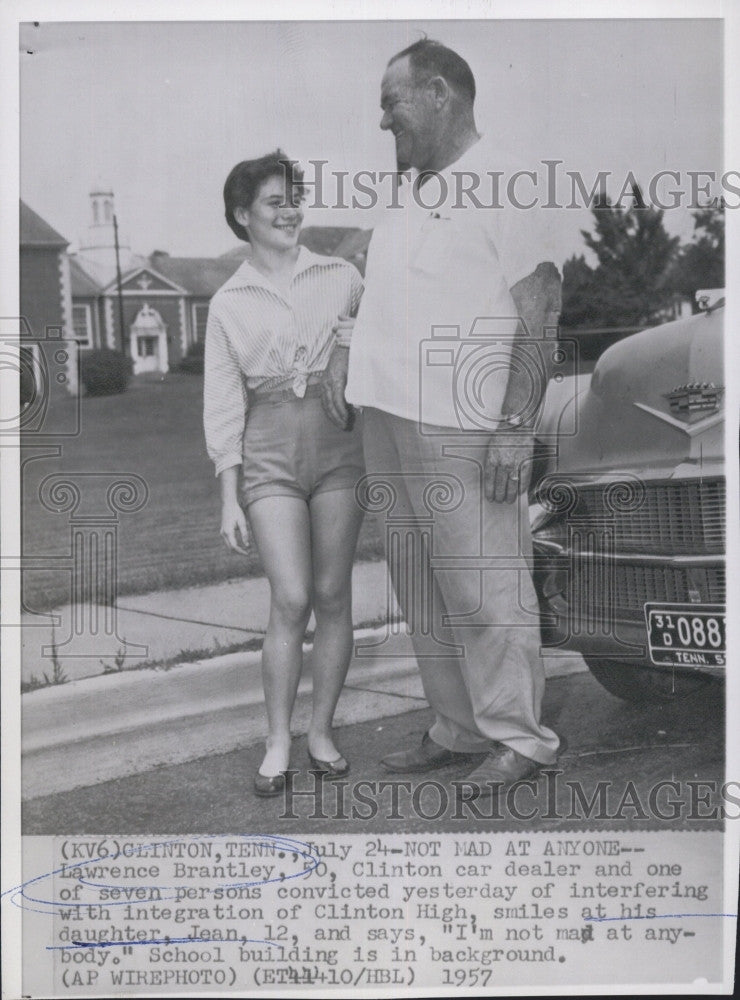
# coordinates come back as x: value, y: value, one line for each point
x: 153, y: 430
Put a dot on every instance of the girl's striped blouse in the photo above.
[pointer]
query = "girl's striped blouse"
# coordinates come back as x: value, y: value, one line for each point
x: 258, y: 334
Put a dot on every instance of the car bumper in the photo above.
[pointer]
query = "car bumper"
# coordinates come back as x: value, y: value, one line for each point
x: 594, y: 603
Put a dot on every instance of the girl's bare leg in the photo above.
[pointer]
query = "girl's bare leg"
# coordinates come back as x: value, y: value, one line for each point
x: 281, y: 529
x: 335, y: 524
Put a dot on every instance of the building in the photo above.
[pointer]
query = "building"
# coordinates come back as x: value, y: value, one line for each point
x: 163, y: 304
x: 161, y: 308
x: 45, y: 291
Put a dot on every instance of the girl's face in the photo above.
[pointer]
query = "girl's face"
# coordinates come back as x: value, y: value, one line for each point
x: 274, y: 218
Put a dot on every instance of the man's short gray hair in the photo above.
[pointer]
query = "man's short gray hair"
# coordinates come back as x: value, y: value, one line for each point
x: 428, y: 58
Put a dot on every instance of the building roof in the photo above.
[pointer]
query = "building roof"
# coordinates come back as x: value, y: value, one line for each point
x: 36, y: 232
x: 199, y: 275
x: 92, y: 277
x: 82, y: 284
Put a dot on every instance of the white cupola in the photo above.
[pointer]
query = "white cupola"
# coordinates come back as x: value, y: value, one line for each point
x: 98, y: 244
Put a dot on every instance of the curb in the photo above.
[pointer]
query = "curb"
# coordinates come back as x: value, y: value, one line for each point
x: 111, y: 726
x: 115, y: 703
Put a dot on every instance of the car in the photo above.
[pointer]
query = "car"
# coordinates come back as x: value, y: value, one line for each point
x: 628, y: 518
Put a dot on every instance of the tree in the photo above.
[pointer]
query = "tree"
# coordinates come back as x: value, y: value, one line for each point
x: 630, y: 286
x: 579, y: 306
x: 701, y: 263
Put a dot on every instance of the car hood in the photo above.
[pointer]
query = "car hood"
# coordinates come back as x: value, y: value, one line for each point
x: 654, y: 401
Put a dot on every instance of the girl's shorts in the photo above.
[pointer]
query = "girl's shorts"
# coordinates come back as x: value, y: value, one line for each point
x: 292, y: 449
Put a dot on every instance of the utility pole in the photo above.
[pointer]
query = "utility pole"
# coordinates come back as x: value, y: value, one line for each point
x: 124, y: 339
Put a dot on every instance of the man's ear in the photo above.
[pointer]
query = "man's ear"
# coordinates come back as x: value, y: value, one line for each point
x: 241, y: 215
x: 440, y: 89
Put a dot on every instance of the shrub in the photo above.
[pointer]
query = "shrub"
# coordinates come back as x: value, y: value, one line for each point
x: 192, y: 363
x: 104, y: 372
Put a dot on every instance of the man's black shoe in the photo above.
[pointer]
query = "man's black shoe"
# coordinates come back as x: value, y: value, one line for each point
x: 428, y: 756
x: 502, y: 768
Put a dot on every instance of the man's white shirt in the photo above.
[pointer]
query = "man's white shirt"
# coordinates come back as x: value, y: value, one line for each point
x: 432, y: 341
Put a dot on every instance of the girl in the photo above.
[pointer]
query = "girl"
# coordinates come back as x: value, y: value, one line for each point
x: 269, y: 335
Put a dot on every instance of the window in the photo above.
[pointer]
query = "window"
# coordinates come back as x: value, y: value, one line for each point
x: 82, y: 324
x: 200, y: 317
x: 147, y: 347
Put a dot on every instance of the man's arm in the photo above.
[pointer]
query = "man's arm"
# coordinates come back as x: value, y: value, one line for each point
x: 334, y: 381
x: 333, y: 385
x: 508, y: 463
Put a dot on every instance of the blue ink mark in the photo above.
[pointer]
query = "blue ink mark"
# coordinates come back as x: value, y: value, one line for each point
x: 20, y: 897
x: 165, y: 941
x: 664, y: 916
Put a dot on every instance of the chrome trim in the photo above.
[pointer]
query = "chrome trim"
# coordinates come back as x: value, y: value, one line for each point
x: 630, y: 557
x: 546, y: 543
x: 691, y: 429
x: 687, y: 471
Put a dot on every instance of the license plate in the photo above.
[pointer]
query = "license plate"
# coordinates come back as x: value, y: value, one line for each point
x: 689, y: 635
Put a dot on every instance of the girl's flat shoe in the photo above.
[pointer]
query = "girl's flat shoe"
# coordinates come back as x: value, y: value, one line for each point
x: 330, y: 769
x: 267, y: 786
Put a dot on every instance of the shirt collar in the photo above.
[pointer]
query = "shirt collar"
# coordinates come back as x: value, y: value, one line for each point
x: 472, y: 156
x: 247, y: 276
x: 476, y: 159
x: 483, y: 157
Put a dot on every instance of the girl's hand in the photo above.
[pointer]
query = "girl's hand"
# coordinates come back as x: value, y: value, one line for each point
x: 234, y: 525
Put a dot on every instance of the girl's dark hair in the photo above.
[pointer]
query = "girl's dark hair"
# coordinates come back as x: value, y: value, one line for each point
x: 245, y: 180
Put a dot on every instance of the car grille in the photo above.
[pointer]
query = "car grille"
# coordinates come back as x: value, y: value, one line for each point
x: 680, y: 518
x: 601, y: 591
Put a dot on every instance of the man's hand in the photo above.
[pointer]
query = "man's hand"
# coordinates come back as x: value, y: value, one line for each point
x: 343, y: 329
x: 508, y: 465
x: 333, y: 385
x: 234, y: 524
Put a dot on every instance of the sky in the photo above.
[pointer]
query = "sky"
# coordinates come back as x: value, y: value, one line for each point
x: 162, y: 110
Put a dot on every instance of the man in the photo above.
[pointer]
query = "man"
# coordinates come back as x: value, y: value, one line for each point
x: 440, y: 417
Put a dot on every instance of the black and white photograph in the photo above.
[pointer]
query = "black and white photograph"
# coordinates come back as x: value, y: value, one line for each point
x: 365, y: 557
